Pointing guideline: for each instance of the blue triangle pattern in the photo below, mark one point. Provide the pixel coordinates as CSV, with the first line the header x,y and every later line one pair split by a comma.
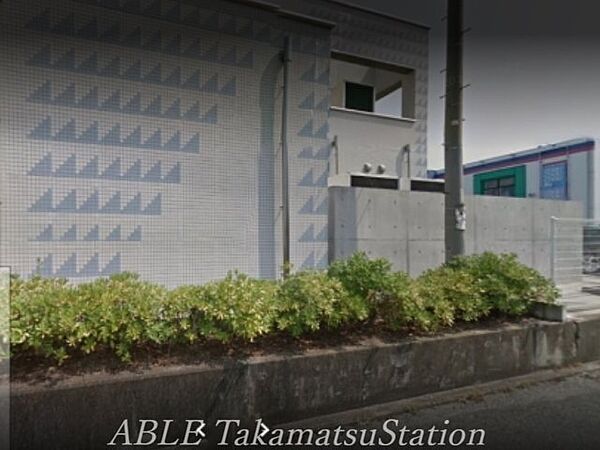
x,y
113,205
68,169
70,235
90,170
323,208
136,235
113,137
89,100
174,80
113,266
93,235
114,235
68,133
309,262
43,168
43,131
308,102
134,206
230,88
154,174
91,205
308,235
112,103
174,175
113,171
90,135
211,116
323,235
307,130
68,268
43,94
68,204
134,105
134,139
154,208
174,111
47,234
43,58
193,145
308,207
134,173
307,179
155,75
91,268
306,153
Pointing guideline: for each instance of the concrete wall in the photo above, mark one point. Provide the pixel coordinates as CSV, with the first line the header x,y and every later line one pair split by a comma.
x,y
280,388
408,227
367,138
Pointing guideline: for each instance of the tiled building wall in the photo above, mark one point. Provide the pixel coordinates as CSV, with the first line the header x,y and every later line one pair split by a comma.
x,y
144,136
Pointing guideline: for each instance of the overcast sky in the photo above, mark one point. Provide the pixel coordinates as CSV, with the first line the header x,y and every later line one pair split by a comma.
x,y
533,66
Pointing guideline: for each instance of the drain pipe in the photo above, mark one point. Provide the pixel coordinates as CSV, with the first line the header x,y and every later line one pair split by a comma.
x,y
406,150
285,188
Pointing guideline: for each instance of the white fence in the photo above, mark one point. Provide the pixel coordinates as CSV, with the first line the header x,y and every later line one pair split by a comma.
x,y
575,251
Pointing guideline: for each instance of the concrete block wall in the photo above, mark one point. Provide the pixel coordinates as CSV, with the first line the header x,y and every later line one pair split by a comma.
x,y
408,227
145,136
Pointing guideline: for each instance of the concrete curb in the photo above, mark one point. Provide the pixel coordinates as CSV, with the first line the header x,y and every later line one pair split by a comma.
x,y
85,412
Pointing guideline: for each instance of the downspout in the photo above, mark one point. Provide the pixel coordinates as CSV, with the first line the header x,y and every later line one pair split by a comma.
x,y
285,194
591,206
407,153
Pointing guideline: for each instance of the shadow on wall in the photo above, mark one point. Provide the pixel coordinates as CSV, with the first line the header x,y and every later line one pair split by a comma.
x,y
342,225
267,265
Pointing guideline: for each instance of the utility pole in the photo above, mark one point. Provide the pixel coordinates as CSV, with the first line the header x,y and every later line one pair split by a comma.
x,y
454,217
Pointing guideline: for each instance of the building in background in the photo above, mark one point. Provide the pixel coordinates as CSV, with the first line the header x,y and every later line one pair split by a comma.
x,y
145,135
568,170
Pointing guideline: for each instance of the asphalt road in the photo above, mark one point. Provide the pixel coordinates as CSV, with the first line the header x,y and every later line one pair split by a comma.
x,y
562,414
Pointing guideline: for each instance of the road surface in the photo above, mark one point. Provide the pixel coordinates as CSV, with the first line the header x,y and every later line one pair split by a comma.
x,y
561,414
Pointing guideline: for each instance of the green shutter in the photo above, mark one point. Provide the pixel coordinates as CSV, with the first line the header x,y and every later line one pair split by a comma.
x,y
518,172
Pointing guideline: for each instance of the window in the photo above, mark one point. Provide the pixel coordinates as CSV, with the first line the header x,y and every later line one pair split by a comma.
x,y
510,182
554,181
500,187
359,84
359,97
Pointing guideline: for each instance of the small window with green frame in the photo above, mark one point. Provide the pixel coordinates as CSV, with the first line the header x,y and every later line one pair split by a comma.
x,y
510,182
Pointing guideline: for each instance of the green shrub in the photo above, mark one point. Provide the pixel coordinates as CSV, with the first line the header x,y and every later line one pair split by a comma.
x,y
362,277
507,285
452,295
236,307
308,300
53,318
399,306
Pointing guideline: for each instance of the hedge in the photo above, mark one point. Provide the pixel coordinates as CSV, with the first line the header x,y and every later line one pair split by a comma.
x,y
53,318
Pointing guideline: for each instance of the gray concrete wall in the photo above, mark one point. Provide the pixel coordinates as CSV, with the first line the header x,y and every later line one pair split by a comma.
x,y
408,227
63,414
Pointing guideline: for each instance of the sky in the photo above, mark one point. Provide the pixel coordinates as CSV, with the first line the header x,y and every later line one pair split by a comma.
x,y
533,67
